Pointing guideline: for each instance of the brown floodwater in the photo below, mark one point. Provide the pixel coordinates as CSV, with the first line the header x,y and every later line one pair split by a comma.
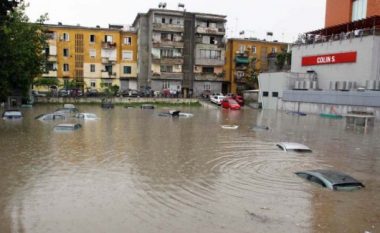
x,y
133,171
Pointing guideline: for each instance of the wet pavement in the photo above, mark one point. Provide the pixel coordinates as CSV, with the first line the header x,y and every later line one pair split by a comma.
x,y
133,171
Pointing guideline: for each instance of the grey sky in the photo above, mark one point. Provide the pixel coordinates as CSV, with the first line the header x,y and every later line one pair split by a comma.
x,y
285,18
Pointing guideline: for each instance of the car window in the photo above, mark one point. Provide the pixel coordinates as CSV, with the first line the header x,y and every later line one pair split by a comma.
x,y
316,180
348,186
279,146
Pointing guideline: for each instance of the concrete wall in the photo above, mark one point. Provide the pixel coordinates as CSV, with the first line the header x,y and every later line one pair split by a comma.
x,y
367,66
272,83
143,51
115,100
200,86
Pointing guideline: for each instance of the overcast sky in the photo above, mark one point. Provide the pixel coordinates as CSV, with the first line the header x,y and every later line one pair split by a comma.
x,y
285,18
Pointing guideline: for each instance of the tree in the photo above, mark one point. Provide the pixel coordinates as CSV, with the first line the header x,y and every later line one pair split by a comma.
x,y
21,50
251,75
46,82
283,60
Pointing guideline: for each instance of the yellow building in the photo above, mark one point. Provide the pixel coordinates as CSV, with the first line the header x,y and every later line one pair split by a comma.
x,y
94,57
239,54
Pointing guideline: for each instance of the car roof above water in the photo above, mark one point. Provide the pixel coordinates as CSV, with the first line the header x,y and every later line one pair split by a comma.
x,y
286,146
334,177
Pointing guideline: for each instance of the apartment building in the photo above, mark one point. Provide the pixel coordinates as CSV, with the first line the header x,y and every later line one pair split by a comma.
x,y
180,51
346,11
241,52
94,57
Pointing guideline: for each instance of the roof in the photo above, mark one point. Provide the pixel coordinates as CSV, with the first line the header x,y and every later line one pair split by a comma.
x,y
293,146
78,27
257,40
369,22
334,177
66,125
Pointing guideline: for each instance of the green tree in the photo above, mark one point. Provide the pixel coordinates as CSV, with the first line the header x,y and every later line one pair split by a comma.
x,y
283,60
46,82
21,51
251,75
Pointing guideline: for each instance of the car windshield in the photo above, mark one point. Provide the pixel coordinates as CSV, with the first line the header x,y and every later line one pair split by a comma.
x,y
13,113
348,186
64,128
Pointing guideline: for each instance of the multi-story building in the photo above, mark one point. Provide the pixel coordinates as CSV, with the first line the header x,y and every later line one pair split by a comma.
x,y
180,51
94,57
345,11
241,52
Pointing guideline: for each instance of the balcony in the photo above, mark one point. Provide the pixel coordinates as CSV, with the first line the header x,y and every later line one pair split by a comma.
x,y
209,62
171,44
168,76
108,60
52,58
211,31
108,45
209,77
50,73
106,74
168,27
168,60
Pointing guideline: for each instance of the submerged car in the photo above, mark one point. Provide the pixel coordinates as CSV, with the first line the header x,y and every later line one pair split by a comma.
x,y
86,116
67,127
12,115
230,103
51,117
292,146
331,179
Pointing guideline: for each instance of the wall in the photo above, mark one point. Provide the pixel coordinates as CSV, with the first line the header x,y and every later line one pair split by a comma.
x,y
338,12
373,8
367,66
272,83
199,87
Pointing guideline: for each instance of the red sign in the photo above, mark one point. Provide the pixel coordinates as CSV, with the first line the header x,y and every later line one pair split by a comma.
x,y
329,59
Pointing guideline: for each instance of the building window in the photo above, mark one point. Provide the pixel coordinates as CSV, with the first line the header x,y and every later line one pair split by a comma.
x,y
163,20
253,49
92,68
265,94
93,83
92,38
127,40
165,68
127,55
108,69
206,86
66,67
274,50
65,52
210,54
108,38
92,53
208,70
275,94
359,9
170,21
165,85
127,69
65,36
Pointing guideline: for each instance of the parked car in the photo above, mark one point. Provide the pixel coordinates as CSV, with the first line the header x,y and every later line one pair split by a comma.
x,y
92,93
239,99
331,179
230,103
217,99
12,115
130,93
51,117
63,93
76,92
38,94
86,116
67,127
291,146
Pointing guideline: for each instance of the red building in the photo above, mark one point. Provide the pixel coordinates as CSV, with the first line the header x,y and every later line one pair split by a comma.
x,y
346,11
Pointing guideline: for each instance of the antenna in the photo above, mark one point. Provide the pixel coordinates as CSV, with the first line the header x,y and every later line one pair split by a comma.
x,y
181,5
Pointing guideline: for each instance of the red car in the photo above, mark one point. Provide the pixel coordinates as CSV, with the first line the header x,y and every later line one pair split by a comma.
x,y
230,103
239,99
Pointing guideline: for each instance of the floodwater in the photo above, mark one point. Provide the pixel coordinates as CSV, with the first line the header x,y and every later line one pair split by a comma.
x,y
133,171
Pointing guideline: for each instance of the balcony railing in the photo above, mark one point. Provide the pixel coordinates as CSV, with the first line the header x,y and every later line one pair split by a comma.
x,y
209,77
208,30
168,27
106,74
315,39
108,45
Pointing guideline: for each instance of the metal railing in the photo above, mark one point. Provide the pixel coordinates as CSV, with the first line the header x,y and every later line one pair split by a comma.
x,y
307,39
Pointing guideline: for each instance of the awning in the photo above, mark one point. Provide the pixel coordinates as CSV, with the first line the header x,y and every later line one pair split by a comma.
x,y
242,60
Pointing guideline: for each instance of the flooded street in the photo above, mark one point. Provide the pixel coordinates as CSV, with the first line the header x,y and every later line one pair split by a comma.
x,y
133,171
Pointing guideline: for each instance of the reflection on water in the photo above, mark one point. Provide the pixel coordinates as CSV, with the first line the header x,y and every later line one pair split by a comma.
x,y
133,171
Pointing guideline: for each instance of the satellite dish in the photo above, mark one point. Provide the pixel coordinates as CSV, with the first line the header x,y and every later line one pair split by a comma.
x,y
181,5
